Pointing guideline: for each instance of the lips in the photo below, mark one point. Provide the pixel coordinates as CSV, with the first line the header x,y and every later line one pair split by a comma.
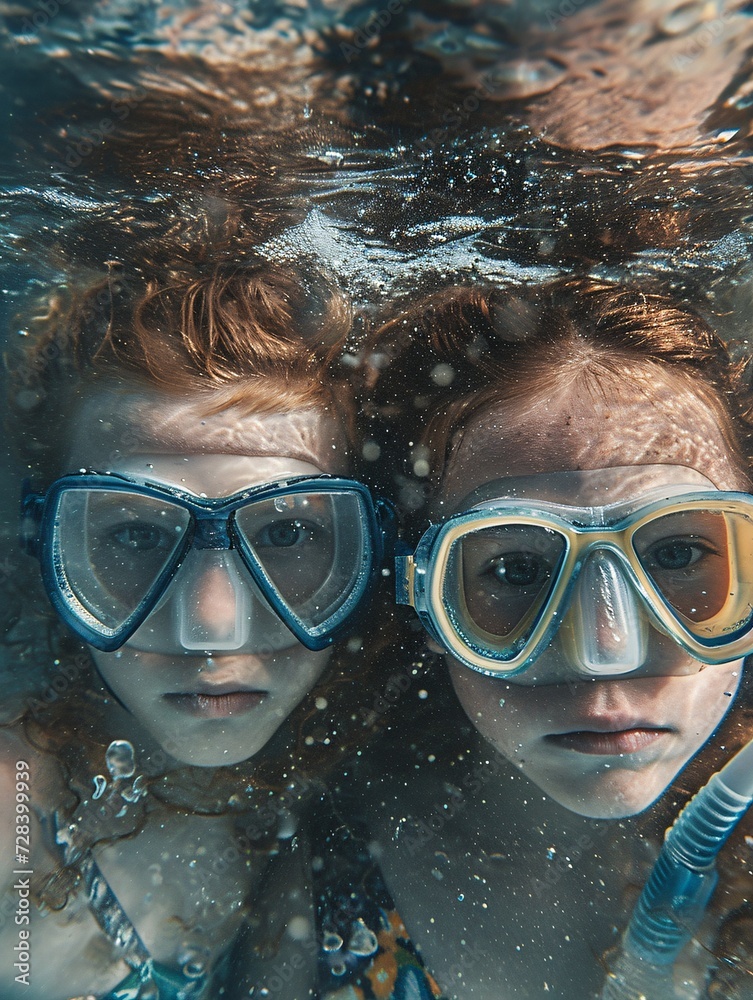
x,y
609,742
218,703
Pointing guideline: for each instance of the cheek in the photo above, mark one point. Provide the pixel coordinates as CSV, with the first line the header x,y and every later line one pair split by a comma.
x,y
298,669
504,714
711,693
124,673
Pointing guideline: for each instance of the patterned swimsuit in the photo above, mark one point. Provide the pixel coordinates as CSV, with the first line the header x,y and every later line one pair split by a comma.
x,y
365,950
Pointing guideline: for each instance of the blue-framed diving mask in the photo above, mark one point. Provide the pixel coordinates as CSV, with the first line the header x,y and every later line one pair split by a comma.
x,y
495,584
127,560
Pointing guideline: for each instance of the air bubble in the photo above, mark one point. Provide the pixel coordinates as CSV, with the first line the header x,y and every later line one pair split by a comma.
x,y
332,941
120,759
442,375
363,942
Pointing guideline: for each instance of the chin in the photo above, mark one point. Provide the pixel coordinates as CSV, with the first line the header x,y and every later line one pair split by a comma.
x,y
222,751
611,800
214,756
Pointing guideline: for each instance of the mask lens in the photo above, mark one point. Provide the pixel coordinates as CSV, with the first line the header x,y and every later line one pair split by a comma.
x,y
311,547
701,562
110,549
497,582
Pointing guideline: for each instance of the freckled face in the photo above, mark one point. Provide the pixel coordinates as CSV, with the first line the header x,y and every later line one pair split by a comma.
x,y
223,708
603,748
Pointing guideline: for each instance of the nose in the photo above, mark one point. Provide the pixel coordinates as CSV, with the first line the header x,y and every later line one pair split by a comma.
x,y
213,603
605,631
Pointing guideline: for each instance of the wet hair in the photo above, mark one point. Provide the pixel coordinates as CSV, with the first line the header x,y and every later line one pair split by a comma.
x,y
253,336
260,337
436,364
439,363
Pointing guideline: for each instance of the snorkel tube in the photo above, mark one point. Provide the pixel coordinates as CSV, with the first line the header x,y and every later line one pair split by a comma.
x,y
679,887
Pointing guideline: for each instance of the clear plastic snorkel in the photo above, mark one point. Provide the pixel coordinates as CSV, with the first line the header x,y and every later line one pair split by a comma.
x,y
680,885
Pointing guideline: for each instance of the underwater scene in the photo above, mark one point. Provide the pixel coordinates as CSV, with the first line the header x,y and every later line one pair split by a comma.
x,y
377,580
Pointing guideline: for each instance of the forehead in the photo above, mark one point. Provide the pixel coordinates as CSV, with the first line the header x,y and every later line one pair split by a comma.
x,y
111,425
594,487
635,422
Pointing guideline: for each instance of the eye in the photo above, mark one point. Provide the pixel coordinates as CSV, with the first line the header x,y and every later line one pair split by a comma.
x,y
519,569
139,537
284,534
677,553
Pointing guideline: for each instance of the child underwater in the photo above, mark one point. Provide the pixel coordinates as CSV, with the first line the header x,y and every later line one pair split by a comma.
x,y
197,533
586,577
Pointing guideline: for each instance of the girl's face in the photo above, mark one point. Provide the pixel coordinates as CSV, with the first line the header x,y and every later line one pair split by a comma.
x,y
217,709
605,747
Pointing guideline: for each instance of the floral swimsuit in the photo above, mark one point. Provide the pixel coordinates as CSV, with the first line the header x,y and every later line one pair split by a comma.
x,y
365,950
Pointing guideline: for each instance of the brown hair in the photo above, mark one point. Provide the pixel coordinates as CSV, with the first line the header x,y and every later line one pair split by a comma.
x,y
221,333
256,336
442,361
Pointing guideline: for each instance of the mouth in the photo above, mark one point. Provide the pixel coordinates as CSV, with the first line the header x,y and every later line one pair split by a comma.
x,y
218,704
611,743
